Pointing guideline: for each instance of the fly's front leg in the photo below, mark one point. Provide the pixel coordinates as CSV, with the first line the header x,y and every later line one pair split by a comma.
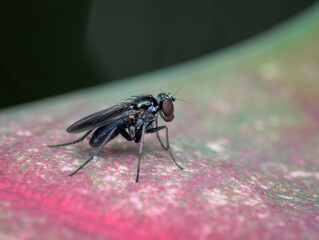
x,y
167,148
157,135
73,142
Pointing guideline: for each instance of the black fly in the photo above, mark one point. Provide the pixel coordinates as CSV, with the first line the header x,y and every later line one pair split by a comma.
x,y
132,119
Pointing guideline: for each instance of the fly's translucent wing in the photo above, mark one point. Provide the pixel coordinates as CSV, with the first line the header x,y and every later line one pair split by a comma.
x,y
101,118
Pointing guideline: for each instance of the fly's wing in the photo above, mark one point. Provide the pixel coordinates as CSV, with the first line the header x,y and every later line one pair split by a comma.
x,y
101,118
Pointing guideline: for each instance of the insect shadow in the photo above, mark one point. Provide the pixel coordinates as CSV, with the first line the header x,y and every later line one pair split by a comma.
x,y
132,119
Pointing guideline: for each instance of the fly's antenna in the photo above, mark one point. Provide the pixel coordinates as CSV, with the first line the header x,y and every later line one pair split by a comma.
x,y
165,92
183,100
176,92
173,96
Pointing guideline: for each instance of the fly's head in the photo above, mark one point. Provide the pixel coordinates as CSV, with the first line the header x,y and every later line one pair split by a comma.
x,y
166,106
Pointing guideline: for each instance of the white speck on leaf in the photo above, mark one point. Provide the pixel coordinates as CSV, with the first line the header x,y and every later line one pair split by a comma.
x,y
215,197
285,197
303,174
33,150
176,148
137,202
67,168
24,133
218,146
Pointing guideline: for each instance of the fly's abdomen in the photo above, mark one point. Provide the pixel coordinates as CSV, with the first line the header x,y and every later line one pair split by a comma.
x,y
102,132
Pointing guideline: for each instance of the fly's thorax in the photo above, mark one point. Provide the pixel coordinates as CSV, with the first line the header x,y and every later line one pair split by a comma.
x,y
131,131
139,123
144,102
153,109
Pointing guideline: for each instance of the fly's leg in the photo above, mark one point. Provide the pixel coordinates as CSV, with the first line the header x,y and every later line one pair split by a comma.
x,y
167,148
124,134
73,142
140,154
157,135
108,138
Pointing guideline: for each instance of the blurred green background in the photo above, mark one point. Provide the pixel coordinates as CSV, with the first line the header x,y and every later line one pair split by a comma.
x,y
51,47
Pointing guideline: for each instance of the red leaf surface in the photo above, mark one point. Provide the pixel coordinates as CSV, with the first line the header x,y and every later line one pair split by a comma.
x,y
249,143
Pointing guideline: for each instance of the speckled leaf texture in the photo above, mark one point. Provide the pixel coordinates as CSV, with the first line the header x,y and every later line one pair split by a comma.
x,y
249,142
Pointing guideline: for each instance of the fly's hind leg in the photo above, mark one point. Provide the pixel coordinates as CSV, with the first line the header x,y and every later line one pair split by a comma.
x,y
73,142
105,141
140,153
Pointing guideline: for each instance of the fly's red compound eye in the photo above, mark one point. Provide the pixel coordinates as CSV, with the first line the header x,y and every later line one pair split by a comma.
x,y
168,108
